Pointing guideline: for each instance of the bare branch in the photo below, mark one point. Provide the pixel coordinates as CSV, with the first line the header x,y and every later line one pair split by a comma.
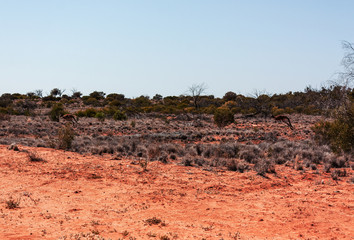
x,y
196,90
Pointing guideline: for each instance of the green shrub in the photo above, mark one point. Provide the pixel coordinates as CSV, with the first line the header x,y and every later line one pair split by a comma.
x,y
91,101
56,111
132,124
89,112
100,116
339,134
66,136
119,116
115,103
223,117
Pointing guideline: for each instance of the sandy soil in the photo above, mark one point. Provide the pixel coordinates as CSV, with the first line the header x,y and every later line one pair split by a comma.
x,y
73,196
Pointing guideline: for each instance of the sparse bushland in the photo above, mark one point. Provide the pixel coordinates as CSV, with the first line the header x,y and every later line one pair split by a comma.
x,y
310,101
187,137
25,107
182,141
103,113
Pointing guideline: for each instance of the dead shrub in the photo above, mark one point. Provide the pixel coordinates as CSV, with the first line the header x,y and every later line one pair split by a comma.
x,y
187,161
13,147
144,164
337,173
153,221
250,154
264,166
12,204
232,166
201,162
336,162
237,166
153,152
34,157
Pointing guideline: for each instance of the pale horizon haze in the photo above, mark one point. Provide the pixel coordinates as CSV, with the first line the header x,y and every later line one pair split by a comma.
x,y
163,47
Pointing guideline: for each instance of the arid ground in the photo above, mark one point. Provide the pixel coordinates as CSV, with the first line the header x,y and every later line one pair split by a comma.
x,y
197,183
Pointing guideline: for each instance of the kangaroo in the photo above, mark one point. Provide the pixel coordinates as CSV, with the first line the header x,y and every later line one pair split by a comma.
x,y
284,119
70,117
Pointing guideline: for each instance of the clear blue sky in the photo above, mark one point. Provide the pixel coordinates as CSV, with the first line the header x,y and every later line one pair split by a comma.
x,y
146,47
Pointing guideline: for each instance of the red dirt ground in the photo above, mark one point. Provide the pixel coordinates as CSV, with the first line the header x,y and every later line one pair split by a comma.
x,y
70,196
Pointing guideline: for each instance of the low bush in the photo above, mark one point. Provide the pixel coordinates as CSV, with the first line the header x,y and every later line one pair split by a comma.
x,y
56,111
100,116
223,117
264,166
12,204
339,134
119,116
237,166
34,157
89,112
153,221
66,136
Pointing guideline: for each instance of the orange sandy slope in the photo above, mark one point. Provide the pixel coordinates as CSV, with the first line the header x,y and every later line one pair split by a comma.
x,y
74,194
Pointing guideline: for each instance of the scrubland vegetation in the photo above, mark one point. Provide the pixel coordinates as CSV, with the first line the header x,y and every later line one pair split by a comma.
x,y
234,133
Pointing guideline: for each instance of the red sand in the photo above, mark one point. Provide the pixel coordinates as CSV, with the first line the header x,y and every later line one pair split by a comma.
x,y
71,194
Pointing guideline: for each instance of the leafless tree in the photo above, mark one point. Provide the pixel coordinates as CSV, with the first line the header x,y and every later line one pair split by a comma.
x,y
337,100
195,91
38,93
339,96
348,64
261,103
75,93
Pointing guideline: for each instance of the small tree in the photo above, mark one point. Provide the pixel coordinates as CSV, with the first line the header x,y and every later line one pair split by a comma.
x,y
38,93
348,64
339,134
100,116
97,95
261,103
56,111
157,97
66,136
56,92
230,96
119,116
75,93
195,91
